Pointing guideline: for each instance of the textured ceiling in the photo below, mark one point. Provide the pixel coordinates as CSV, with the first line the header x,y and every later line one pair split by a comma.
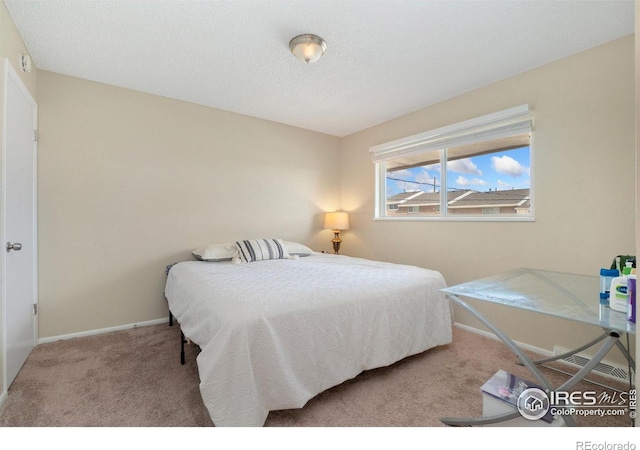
x,y
383,59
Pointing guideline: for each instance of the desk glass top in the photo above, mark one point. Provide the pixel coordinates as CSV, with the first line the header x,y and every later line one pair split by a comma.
x,y
563,295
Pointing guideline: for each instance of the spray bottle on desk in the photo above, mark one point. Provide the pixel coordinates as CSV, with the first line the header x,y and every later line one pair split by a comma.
x,y
628,267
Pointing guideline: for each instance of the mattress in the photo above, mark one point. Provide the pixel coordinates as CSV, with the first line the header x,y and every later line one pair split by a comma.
x,y
273,334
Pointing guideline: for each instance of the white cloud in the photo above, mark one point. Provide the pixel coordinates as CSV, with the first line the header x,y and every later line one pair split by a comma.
x,y
423,180
425,177
508,166
407,187
462,181
502,186
464,166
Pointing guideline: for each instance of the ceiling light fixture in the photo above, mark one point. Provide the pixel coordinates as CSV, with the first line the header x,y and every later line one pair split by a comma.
x,y
25,62
307,47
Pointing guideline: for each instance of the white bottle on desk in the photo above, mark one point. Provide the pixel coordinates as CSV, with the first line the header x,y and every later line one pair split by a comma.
x,y
618,299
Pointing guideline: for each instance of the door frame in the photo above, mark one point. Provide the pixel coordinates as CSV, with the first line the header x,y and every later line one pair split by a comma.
x,y
11,74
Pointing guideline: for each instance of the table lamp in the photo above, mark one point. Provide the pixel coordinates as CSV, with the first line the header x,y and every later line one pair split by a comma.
x,y
336,221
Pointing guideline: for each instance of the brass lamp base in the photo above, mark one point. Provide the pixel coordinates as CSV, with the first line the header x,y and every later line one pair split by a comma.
x,y
336,241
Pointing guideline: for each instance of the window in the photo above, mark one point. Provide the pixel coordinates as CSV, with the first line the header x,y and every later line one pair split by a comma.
x,y
479,169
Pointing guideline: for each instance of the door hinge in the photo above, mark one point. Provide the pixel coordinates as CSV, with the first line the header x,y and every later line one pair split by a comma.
x,y
35,135
35,309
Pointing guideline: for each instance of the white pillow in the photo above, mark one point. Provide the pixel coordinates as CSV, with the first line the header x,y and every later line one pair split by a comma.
x,y
260,250
297,249
215,252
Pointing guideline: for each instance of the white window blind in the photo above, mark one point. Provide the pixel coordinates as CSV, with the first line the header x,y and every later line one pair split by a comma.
x,y
503,124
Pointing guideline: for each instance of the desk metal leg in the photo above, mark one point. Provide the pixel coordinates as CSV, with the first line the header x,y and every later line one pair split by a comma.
x,y
574,351
465,422
526,361
600,354
605,336
627,355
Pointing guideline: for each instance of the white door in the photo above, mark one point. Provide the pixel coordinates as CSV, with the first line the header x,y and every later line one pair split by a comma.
x,y
19,247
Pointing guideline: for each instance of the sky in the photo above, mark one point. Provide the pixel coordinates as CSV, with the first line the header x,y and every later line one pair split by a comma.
x,y
505,170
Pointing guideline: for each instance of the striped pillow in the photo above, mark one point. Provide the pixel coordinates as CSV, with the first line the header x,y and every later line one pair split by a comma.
x,y
261,249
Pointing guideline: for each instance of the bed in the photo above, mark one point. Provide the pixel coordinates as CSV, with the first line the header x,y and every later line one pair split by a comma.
x,y
274,333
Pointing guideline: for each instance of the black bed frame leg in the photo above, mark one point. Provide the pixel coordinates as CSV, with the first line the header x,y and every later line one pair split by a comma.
x,y
182,338
182,341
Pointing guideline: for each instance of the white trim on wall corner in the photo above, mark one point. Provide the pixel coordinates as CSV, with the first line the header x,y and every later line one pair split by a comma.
x,y
103,330
3,399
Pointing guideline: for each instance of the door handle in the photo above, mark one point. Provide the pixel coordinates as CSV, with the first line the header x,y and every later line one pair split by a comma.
x,y
17,246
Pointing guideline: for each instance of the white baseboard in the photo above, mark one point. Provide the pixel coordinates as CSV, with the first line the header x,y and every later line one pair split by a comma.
x,y
102,330
522,345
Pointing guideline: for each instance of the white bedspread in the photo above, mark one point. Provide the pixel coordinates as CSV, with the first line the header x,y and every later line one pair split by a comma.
x,y
276,333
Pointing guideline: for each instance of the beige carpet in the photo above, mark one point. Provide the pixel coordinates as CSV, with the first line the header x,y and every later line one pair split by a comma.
x,y
134,378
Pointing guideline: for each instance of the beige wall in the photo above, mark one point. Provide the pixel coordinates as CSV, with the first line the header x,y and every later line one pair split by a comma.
x,y
130,182
11,46
584,171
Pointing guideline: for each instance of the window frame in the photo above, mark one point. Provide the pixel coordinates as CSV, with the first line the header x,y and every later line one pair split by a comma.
x,y
508,122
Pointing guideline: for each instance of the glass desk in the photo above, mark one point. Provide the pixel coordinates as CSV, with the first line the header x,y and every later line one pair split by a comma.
x,y
563,295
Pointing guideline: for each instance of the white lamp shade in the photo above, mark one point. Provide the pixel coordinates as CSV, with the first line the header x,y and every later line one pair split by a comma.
x,y
307,47
337,220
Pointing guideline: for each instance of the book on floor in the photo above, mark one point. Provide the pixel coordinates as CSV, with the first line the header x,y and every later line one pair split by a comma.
x,y
508,387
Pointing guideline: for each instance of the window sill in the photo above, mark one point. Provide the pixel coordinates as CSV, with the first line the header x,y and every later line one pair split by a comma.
x,y
456,219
